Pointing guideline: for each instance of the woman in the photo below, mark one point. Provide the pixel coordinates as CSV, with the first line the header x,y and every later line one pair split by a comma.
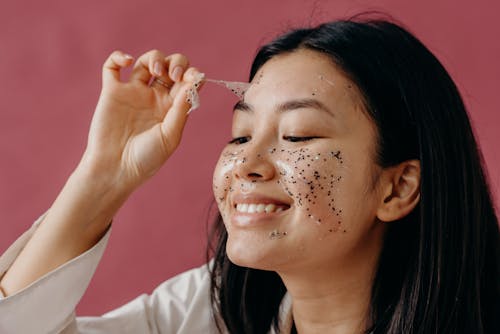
x,y
352,198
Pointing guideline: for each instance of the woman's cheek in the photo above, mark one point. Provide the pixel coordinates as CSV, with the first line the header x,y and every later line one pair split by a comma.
x,y
222,181
223,177
313,178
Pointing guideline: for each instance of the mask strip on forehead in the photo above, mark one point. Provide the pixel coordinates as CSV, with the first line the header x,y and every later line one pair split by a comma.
x,y
236,87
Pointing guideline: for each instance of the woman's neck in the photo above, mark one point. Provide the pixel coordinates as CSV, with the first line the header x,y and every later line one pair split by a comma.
x,y
334,312
334,299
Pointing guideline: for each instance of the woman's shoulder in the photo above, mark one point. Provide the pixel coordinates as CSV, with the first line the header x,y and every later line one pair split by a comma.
x,y
180,304
189,283
183,302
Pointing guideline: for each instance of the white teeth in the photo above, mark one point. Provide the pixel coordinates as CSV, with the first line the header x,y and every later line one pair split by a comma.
x,y
270,208
252,208
261,207
258,208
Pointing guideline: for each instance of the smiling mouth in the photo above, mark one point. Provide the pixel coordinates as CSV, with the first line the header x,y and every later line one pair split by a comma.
x,y
260,208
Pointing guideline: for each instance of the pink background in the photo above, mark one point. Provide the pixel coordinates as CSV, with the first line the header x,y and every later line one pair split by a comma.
x,y
51,54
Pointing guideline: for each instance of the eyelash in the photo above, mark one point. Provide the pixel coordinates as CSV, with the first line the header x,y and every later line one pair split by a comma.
x,y
293,139
238,140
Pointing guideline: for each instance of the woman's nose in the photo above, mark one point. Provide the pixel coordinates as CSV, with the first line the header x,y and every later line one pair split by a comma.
x,y
254,166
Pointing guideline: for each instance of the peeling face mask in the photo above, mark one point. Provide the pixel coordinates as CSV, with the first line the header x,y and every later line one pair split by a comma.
x,y
236,87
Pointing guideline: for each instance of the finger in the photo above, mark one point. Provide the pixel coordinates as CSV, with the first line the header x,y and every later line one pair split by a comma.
x,y
162,86
152,63
176,117
193,76
177,64
112,66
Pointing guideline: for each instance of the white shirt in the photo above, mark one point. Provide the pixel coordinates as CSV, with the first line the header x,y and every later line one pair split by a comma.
x,y
179,305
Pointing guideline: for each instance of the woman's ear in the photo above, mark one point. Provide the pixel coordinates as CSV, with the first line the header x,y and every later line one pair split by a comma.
x,y
400,191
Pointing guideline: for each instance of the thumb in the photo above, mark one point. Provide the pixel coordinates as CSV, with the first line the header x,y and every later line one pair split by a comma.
x,y
176,117
112,66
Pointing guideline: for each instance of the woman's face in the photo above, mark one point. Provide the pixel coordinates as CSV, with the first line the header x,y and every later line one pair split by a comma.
x,y
296,186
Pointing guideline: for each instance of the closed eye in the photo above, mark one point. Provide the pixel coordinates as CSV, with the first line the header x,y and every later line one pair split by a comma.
x,y
294,139
239,140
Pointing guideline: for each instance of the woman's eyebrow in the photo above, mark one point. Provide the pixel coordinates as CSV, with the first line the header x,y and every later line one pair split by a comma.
x,y
288,106
302,104
242,106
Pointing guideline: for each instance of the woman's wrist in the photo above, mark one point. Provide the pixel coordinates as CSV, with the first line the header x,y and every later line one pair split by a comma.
x,y
104,175
93,194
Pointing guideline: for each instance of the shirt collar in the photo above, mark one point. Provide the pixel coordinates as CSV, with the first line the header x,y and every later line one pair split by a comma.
x,y
285,315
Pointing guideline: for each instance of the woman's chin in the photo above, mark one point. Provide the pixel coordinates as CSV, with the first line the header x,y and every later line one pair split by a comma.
x,y
254,252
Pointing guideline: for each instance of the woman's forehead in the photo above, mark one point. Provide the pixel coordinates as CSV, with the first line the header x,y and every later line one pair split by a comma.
x,y
302,73
302,67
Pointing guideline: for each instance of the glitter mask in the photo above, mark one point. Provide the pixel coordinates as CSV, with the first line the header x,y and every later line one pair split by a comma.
x,y
310,178
238,88
193,97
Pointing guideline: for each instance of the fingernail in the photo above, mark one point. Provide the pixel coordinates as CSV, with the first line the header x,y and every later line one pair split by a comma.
x,y
127,56
177,73
157,69
200,76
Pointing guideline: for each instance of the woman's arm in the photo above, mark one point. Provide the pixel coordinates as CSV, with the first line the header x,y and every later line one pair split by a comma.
x,y
134,130
75,222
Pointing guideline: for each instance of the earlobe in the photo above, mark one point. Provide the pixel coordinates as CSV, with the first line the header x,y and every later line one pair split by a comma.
x,y
401,191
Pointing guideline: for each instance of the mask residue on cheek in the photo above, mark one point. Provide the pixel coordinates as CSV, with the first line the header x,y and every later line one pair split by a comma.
x,y
223,178
311,179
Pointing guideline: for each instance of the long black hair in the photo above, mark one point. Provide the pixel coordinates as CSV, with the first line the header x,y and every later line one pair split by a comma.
x,y
439,267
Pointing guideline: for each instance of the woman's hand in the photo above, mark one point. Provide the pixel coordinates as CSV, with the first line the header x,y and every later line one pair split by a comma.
x,y
136,127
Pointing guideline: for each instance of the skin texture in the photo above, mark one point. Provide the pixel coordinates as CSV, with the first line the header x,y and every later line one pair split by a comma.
x,y
303,140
